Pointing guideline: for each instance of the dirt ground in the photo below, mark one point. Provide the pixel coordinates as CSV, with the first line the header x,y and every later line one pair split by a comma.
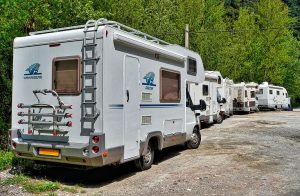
x,y
256,154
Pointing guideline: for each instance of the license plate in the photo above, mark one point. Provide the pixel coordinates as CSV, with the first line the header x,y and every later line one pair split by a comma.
x,y
48,152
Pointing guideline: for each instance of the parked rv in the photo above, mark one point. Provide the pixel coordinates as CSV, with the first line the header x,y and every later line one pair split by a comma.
x,y
102,93
273,97
211,92
228,95
244,97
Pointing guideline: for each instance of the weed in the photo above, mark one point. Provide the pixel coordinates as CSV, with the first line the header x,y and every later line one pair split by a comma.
x,y
6,158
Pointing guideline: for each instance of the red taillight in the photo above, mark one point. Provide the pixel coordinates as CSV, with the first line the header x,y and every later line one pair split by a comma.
x,y
69,124
95,149
96,139
14,145
67,115
30,132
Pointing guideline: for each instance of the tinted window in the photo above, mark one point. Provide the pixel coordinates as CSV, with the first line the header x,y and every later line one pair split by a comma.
x,y
170,86
205,90
66,75
192,67
270,92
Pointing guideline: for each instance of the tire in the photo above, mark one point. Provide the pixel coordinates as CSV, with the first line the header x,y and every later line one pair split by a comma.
x,y
145,161
195,140
219,119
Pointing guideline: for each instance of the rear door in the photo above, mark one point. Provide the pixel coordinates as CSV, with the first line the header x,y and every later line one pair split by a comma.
x,y
131,107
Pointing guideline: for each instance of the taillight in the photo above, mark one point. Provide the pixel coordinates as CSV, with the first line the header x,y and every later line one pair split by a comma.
x,y
30,132
95,139
14,145
69,124
95,149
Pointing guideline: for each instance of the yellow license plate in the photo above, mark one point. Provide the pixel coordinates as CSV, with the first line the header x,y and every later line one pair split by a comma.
x,y
48,152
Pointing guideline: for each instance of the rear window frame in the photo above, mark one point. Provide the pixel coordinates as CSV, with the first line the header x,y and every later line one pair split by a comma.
x,y
79,68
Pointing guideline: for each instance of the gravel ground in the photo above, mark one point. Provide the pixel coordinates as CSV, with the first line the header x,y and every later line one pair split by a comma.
x,y
256,154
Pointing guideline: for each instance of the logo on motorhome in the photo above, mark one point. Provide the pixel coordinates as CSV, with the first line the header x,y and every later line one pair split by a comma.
x,y
32,72
149,77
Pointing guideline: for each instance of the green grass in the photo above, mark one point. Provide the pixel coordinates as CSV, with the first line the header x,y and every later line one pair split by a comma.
x,y
32,186
70,189
6,158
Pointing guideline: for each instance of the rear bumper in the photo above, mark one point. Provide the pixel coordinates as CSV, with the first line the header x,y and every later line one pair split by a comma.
x,y
69,153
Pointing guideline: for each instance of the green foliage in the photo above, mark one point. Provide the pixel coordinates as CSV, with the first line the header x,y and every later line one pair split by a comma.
x,y
6,158
247,40
30,185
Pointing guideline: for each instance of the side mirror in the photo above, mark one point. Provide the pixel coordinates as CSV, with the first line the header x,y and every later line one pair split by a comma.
x,y
224,100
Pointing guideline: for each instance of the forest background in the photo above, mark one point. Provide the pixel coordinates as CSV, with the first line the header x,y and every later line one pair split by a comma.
x,y
246,40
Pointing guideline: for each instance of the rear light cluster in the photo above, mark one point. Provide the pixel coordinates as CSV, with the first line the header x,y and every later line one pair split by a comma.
x,y
95,140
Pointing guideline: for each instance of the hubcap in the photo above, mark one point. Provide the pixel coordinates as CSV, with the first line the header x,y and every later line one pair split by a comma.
x,y
194,138
148,157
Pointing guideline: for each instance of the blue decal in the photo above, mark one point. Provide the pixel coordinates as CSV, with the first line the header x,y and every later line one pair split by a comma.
x,y
32,72
149,77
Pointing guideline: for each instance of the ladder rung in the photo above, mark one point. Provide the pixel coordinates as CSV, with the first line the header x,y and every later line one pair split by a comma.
x,y
90,44
88,74
91,59
91,30
89,88
91,102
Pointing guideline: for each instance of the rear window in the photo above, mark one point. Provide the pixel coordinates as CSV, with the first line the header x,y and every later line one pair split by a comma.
x,y
66,75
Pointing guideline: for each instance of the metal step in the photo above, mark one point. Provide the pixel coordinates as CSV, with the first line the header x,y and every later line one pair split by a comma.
x,y
91,59
90,44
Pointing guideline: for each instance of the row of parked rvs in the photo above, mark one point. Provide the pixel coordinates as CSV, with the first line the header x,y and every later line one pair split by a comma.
x,y
104,93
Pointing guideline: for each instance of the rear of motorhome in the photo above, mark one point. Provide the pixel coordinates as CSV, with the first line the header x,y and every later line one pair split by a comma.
x,y
244,97
272,97
102,93
211,92
228,95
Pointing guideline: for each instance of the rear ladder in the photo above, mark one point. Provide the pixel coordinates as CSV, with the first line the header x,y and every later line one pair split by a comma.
x,y
90,112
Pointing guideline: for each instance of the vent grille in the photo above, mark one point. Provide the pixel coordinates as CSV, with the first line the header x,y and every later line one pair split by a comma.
x,y
146,120
146,97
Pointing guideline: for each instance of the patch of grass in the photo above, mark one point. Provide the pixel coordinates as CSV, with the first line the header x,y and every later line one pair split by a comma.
x,y
17,179
70,189
32,186
82,191
41,186
6,158
52,194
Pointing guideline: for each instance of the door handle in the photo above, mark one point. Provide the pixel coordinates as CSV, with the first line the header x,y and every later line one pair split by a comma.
x,y
127,94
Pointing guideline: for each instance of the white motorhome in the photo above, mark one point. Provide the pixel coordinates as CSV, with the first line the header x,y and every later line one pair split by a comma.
x,y
272,97
211,92
228,95
244,97
101,93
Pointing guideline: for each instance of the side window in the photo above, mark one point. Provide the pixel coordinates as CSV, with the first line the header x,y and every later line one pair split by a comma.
x,y
270,92
205,90
192,67
246,94
169,86
252,94
219,80
66,75
278,93
261,91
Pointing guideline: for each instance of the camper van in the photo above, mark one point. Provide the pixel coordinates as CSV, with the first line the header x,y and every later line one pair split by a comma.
x,y
211,92
228,95
101,93
272,97
244,97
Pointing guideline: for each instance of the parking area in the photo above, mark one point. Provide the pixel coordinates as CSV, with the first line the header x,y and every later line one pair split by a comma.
x,y
256,154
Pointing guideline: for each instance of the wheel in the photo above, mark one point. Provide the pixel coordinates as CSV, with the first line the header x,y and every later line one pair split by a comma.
x,y
219,119
195,140
145,161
